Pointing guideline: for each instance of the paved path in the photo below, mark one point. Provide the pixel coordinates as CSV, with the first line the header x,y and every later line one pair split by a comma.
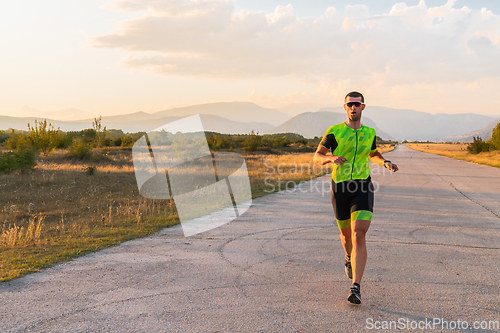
x,y
433,253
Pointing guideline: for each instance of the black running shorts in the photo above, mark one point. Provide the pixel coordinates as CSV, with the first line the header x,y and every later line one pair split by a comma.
x,y
352,200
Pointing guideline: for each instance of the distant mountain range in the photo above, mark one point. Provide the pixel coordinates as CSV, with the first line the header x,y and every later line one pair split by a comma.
x,y
243,117
140,121
311,124
298,108
484,132
415,125
236,111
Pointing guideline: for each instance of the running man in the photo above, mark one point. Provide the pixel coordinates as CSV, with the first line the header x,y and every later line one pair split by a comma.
x,y
352,145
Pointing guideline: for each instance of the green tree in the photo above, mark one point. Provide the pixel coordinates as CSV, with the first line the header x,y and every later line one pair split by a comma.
x,y
252,142
11,142
43,137
495,138
179,145
4,136
101,133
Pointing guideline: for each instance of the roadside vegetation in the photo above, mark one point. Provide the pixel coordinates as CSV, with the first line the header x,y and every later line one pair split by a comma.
x,y
66,194
478,151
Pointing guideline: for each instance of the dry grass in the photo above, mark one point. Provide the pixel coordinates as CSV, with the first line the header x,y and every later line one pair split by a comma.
x,y
272,173
458,151
58,212
14,235
384,148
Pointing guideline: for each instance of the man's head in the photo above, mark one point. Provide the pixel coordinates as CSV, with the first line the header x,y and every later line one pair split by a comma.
x,y
354,104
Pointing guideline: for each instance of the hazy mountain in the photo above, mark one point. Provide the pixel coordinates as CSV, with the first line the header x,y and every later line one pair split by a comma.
x,y
7,122
484,132
415,125
236,111
218,124
242,117
136,116
298,108
140,121
311,124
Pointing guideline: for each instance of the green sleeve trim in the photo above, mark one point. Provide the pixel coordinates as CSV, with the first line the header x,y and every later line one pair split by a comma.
x,y
364,215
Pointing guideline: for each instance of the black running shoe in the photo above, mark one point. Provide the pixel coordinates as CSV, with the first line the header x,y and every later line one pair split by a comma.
x,y
355,295
348,268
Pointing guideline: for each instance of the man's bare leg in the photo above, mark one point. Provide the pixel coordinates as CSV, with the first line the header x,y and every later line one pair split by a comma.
x,y
359,228
359,254
345,234
346,240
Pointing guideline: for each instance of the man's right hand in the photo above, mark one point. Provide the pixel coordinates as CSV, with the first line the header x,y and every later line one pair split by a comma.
x,y
338,160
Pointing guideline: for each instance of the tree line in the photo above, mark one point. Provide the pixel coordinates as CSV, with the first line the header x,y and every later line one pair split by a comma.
x,y
43,138
253,141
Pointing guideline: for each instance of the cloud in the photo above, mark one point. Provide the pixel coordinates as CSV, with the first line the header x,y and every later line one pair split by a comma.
x,y
408,45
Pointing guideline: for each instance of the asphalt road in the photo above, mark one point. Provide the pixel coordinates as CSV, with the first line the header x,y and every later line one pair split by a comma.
x,y
433,250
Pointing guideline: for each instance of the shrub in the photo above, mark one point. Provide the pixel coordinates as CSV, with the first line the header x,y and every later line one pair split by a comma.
x,y
126,141
79,148
217,142
280,142
118,141
26,159
90,170
8,162
478,145
21,160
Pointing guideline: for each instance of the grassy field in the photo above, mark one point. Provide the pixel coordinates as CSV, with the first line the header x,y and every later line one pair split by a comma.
x,y
458,151
385,148
65,209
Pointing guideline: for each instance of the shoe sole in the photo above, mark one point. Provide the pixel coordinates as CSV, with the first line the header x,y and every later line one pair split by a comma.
x,y
354,299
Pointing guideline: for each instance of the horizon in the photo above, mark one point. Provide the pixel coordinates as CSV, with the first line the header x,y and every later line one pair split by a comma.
x,y
90,117
75,60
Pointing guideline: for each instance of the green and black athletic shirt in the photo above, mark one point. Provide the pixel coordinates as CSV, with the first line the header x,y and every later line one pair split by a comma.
x,y
355,146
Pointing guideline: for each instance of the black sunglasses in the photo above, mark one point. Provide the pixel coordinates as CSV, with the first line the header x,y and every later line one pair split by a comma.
x,y
356,104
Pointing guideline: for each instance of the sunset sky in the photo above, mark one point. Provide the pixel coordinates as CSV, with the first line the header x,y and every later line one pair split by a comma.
x,y
74,59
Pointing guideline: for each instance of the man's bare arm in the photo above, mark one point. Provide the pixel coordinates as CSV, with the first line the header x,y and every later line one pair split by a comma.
x,y
378,159
320,157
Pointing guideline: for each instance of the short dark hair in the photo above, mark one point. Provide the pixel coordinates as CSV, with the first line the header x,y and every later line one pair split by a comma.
x,y
355,94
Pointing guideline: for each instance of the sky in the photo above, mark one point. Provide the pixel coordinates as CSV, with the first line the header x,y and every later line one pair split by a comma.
x,y
84,58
